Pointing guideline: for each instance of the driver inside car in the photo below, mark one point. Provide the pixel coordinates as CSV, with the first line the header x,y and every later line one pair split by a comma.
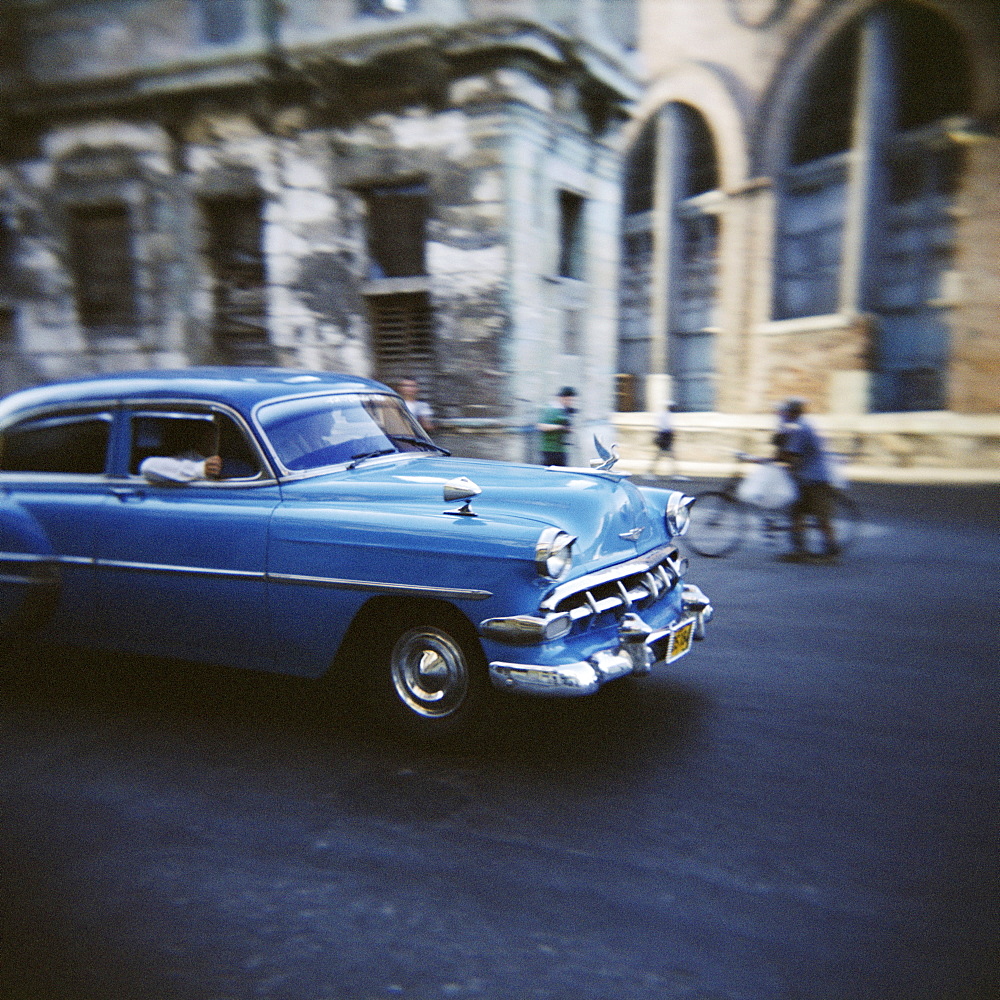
x,y
196,458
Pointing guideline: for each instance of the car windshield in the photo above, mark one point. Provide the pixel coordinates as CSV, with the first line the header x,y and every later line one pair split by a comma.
x,y
316,431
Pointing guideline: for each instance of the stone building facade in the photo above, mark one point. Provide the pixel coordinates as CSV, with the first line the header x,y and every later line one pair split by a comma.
x,y
811,204
382,187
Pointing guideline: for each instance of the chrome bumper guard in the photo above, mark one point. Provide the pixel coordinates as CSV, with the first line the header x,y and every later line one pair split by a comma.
x,y
639,647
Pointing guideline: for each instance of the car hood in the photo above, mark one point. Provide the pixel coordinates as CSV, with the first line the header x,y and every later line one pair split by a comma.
x,y
610,517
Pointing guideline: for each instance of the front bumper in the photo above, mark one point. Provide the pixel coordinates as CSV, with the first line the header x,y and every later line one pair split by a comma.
x,y
639,648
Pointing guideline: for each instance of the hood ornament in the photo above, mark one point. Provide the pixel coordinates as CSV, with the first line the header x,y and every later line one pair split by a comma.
x,y
461,488
607,458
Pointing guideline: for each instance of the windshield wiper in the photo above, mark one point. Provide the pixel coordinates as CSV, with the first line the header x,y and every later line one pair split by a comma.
x,y
420,442
358,459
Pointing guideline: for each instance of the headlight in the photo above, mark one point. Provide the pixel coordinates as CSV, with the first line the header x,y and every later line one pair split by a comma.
x,y
678,513
553,553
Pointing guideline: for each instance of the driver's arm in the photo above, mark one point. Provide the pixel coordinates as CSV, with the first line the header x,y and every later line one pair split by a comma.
x,y
162,469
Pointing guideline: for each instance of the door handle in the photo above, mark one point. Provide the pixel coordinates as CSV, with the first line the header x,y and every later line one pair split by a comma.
x,y
126,493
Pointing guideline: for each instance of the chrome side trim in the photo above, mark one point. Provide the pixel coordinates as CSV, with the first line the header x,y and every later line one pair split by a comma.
x,y
390,588
34,581
47,560
456,593
239,574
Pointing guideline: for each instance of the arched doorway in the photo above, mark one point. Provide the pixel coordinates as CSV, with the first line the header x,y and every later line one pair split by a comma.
x,y
671,221
865,220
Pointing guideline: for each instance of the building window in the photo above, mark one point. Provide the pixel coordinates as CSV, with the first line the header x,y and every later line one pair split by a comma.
x,y
674,155
385,8
633,312
639,172
865,220
810,239
222,21
699,165
100,245
694,284
397,231
236,260
571,236
402,328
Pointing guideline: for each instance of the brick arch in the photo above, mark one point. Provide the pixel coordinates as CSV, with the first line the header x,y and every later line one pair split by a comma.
x,y
705,89
977,23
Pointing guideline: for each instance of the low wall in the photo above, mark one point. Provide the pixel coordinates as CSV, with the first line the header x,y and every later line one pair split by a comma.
x,y
878,447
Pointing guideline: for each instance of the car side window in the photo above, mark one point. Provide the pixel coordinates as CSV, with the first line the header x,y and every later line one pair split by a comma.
x,y
192,435
59,444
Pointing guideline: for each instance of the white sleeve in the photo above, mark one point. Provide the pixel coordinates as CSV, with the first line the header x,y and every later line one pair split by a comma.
x,y
171,470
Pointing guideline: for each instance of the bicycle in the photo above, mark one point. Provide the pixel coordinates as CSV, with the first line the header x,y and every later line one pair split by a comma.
x,y
721,520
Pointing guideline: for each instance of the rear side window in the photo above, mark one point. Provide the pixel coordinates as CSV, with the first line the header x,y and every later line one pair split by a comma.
x,y
75,444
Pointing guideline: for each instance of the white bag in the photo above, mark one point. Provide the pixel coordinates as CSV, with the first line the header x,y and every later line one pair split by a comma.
x,y
768,485
838,478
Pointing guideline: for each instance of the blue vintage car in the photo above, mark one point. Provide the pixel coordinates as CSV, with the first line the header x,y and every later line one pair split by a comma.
x,y
276,519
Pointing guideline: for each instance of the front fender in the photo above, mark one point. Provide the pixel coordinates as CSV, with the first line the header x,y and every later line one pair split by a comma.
x,y
325,561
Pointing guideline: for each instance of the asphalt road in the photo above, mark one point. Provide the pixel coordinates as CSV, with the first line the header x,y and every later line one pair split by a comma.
x,y
805,808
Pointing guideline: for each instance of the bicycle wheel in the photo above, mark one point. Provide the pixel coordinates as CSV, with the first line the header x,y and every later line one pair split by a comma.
x,y
846,518
717,524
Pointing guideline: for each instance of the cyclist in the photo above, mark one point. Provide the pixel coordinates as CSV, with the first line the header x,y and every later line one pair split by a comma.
x,y
801,449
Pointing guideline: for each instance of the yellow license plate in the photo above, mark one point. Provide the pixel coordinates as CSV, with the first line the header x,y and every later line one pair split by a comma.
x,y
680,642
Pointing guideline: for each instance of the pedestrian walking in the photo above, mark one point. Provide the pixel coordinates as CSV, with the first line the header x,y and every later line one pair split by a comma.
x,y
556,423
663,441
801,449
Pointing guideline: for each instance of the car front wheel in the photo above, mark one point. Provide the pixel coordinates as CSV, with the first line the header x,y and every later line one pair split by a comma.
x,y
429,672
433,674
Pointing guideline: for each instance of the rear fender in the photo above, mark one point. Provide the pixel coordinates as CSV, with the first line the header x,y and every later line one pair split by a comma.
x,y
29,569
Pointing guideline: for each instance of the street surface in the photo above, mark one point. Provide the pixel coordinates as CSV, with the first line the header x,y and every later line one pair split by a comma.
x,y
805,808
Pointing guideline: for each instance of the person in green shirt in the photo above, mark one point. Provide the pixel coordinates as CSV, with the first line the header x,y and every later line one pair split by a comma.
x,y
555,423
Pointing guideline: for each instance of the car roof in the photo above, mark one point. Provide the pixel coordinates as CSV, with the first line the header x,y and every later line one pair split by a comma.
x,y
240,387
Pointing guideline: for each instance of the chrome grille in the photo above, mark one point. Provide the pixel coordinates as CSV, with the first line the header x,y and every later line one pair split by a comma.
x,y
638,582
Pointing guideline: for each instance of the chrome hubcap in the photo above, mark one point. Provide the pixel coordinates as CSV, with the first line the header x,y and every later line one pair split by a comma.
x,y
429,672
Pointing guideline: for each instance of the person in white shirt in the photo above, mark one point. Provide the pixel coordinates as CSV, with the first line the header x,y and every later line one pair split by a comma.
x,y
664,441
409,390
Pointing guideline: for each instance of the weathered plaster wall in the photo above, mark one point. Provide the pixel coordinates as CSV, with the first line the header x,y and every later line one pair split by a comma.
x,y
494,140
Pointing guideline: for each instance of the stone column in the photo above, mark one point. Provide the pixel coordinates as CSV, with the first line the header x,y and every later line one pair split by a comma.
x,y
668,148
874,122
975,343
